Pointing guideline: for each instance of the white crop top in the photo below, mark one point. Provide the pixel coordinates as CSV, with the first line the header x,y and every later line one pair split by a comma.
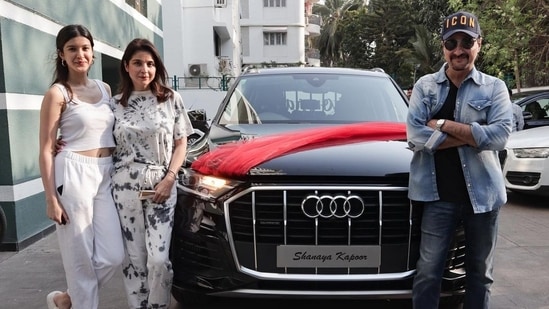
x,y
84,125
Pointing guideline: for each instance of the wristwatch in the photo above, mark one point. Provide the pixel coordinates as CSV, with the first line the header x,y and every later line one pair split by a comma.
x,y
439,124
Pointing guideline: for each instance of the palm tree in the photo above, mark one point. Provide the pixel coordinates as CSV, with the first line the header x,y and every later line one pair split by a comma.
x,y
426,54
332,13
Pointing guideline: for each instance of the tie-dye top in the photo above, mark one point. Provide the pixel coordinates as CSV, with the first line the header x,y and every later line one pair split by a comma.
x,y
145,130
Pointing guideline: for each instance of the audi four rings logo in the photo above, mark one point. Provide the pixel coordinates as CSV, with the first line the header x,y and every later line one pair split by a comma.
x,y
327,206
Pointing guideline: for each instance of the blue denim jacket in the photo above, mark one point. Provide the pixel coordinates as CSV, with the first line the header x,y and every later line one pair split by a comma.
x,y
483,102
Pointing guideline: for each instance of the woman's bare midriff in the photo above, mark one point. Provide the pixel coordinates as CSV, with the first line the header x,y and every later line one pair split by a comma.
x,y
96,153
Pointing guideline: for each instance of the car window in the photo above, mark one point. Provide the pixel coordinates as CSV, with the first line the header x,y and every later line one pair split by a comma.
x,y
516,97
238,110
539,108
314,98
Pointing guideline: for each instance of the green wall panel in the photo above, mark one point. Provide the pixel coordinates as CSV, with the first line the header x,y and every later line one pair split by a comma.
x,y
24,144
9,212
5,166
31,209
95,69
30,70
26,69
26,220
105,20
2,75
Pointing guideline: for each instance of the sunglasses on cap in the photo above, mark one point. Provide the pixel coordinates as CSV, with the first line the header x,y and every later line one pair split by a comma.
x,y
466,43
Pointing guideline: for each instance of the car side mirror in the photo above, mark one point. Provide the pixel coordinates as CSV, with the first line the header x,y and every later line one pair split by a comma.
x,y
199,119
200,124
197,115
527,115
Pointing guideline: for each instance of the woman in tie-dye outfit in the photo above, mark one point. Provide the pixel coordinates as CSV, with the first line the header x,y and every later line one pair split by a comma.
x,y
150,130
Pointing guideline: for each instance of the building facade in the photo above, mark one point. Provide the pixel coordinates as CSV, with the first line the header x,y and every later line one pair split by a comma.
x,y
273,32
209,42
205,44
27,49
212,38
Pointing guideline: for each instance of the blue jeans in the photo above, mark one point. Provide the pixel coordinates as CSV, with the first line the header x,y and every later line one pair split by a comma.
x,y
437,231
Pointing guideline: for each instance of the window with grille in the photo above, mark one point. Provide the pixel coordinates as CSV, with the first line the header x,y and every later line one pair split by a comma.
x,y
220,3
274,3
138,5
274,38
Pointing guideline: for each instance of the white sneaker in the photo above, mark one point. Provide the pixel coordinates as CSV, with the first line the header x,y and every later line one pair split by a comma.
x,y
49,299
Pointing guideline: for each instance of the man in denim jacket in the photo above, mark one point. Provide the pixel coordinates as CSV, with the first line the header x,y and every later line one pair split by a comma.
x,y
459,118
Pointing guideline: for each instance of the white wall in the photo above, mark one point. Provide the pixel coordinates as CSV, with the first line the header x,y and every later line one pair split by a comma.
x,y
173,37
202,99
290,19
198,42
189,27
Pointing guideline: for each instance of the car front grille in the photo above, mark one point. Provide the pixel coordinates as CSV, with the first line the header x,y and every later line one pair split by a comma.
x,y
262,218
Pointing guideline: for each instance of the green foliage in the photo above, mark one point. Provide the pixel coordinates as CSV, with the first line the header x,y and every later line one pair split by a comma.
x,y
355,42
333,14
430,13
426,52
403,37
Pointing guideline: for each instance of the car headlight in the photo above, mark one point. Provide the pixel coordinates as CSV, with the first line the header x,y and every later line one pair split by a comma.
x,y
531,152
205,186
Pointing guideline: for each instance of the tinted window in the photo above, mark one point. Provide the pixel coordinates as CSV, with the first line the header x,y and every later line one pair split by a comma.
x,y
315,98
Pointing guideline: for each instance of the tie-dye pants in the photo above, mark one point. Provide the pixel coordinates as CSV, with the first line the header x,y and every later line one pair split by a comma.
x,y
146,228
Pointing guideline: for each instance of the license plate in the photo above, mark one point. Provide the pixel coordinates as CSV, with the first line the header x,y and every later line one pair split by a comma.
x,y
328,256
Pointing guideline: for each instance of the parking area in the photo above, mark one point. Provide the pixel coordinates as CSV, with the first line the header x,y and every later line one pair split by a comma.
x,y
521,272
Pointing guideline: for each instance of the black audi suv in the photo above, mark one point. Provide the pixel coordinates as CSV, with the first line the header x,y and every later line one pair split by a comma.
x,y
298,190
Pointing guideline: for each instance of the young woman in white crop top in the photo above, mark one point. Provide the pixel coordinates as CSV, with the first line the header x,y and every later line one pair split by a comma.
x,y
77,181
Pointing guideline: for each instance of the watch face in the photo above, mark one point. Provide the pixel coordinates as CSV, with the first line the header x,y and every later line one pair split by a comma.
x,y
440,122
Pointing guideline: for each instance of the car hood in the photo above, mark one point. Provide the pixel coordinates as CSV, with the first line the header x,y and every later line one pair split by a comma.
x,y
370,158
222,134
529,138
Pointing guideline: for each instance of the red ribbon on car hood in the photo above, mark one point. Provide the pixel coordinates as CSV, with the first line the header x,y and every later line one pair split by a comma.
x,y
235,159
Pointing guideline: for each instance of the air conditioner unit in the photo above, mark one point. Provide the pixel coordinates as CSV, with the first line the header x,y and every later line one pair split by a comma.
x,y
199,69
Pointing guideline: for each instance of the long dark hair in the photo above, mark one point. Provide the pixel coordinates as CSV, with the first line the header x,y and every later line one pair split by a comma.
x,y
158,84
67,33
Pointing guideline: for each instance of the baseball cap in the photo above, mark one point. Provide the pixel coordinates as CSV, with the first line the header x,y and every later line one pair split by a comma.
x,y
460,22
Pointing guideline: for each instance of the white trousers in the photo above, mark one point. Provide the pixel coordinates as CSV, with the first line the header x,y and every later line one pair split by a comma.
x,y
91,244
147,229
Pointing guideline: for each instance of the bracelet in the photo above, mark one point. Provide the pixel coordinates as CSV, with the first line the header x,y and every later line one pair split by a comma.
x,y
172,173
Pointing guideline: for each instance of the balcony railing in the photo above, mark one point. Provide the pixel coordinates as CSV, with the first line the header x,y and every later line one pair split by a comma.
x,y
312,53
314,19
201,82
313,24
312,57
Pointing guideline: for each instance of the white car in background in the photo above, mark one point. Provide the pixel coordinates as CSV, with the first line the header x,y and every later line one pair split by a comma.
x,y
526,165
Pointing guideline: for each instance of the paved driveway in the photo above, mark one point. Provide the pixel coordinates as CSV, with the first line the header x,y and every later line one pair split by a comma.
x,y
521,273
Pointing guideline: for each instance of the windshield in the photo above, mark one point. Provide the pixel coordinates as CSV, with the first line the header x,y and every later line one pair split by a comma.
x,y
314,98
